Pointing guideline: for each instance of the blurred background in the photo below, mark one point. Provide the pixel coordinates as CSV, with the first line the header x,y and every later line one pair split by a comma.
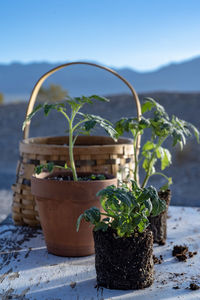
x,y
154,44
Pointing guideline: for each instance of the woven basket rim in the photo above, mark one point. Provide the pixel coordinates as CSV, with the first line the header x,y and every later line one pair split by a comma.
x,y
37,141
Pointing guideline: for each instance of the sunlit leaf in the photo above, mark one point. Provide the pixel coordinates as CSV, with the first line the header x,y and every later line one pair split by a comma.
x,y
166,159
29,117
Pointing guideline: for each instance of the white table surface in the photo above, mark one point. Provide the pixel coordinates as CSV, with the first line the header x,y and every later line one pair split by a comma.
x,y
27,271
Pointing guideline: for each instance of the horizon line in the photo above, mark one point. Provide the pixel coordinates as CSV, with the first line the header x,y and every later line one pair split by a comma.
x,y
111,66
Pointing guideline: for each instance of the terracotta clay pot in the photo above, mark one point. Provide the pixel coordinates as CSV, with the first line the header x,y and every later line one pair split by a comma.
x,y
158,224
60,203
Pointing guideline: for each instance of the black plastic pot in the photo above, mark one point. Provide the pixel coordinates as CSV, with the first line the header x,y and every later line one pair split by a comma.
x,y
158,224
124,263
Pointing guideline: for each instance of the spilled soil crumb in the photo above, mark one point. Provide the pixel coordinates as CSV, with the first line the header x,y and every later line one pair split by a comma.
x,y
194,286
179,250
157,260
73,284
182,252
191,254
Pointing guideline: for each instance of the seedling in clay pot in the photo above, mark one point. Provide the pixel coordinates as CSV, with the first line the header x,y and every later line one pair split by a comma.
x,y
161,127
123,241
62,195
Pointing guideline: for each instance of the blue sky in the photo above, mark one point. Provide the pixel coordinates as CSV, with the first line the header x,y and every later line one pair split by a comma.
x,y
142,34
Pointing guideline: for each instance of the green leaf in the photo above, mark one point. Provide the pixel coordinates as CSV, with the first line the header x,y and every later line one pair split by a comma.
x,y
119,128
106,219
195,130
72,102
89,125
143,123
105,124
126,210
160,152
166,160
148,146
44,167
129,125
29,117
166,185
99,98
101,226
148,205
144,195
145,164
39,169
147,106
159,108
158,204
92,215
143,224
79,222
50,166
48,107
177,137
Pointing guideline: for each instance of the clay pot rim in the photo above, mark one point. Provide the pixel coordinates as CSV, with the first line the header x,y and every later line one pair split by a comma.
x,y
42,177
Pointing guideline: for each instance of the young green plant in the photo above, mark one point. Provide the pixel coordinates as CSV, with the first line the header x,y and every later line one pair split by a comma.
x,y
125,211
83,124
161,127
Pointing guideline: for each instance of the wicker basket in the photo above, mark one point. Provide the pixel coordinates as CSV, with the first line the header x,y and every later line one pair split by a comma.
x,y
93,153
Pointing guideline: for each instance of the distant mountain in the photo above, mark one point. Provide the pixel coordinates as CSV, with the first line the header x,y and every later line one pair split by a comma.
x,y
17,79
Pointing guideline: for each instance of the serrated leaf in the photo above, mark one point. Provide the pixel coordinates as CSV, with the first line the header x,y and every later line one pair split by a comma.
x,y
119,128
79,222
39,169
166,185
166,160
105,124
44,167
195,130
148,146
48,107
148,205
101,226
147,106
145,164
50,166
143,123
29,117
89,125
159,108
99,98
158,204
91,215
160,152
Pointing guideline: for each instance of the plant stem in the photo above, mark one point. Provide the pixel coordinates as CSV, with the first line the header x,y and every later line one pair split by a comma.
x,y
104,214
79,123
136,159
161,174
71,155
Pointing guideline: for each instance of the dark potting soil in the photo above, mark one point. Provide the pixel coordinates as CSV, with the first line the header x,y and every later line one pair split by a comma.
x,y
82,178
158,224
124,263
182,252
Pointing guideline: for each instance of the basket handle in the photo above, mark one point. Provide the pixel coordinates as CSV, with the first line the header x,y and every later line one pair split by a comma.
x,y
46,75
